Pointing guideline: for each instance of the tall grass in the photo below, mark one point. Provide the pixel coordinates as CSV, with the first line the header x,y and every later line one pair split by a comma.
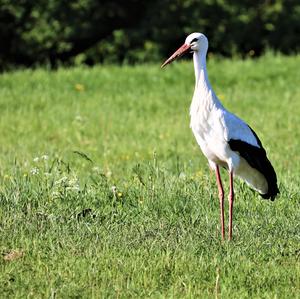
x,y
104,192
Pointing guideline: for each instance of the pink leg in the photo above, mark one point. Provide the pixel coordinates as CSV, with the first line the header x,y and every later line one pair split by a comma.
x,y
230,198
221,198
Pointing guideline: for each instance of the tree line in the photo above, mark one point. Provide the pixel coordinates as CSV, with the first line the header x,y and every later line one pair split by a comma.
x,y
58,32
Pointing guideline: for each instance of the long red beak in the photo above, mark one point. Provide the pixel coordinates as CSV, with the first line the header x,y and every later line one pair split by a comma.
x,y
181,51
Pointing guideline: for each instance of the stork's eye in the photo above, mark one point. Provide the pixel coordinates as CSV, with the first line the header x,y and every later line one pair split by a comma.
x,y
194,40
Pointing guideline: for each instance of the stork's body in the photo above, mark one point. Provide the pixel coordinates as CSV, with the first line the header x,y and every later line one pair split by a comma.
x,y
225,139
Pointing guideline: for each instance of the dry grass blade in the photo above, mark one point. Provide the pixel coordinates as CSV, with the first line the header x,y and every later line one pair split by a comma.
x,y
13,255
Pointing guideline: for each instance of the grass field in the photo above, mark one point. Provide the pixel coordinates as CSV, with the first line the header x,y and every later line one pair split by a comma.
x,y
105,194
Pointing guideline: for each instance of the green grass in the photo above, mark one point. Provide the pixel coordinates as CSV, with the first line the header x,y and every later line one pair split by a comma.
x,y
104,192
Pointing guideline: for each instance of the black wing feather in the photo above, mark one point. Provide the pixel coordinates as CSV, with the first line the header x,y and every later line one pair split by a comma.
x,y
257,158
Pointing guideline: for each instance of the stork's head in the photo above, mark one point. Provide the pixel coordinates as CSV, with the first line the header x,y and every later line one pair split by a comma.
x,y
195,42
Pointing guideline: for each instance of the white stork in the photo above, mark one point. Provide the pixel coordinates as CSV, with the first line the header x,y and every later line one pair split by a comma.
x,y
225,139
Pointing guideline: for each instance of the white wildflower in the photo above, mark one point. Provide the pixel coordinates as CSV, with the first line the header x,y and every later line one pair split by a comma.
x,y
114,190
34,171
182,176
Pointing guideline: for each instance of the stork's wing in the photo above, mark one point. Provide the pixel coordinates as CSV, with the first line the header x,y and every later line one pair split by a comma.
x,y
257,159
242,139
237,129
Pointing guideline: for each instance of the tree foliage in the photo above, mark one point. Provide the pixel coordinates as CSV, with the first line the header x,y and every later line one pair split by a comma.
x,y
90,31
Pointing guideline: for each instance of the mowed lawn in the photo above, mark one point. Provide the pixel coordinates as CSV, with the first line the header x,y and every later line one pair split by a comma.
x,y
105,194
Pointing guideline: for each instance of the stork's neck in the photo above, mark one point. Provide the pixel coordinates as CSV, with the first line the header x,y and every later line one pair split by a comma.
x,y
200,70
203,90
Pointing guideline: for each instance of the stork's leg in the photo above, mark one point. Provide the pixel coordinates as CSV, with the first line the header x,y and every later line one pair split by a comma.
x,y
230,198
221,198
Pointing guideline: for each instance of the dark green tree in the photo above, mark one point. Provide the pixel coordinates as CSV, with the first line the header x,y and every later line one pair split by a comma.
x,y
90,31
